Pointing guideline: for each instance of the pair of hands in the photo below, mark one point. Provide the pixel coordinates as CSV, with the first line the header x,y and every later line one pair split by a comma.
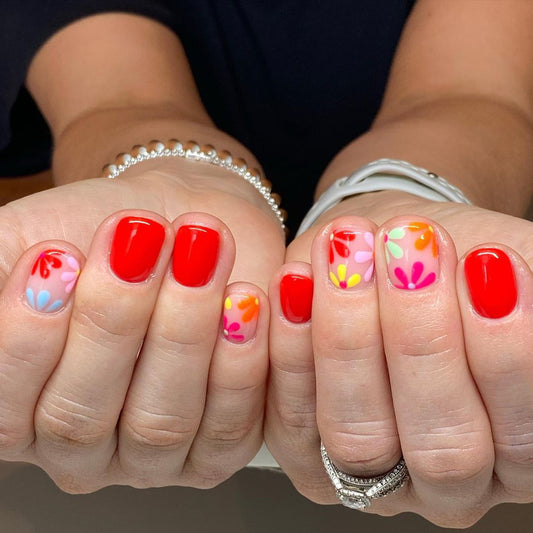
x,y
134,383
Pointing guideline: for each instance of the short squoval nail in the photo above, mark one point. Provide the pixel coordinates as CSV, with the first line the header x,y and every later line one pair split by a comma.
x,y
135,248
351,258
52,279
296,297
491,282
412,255
195,255
241,312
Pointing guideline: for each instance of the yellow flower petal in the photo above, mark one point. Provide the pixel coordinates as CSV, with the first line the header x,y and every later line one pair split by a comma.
x,y
354,280
227,303
334,279
341,269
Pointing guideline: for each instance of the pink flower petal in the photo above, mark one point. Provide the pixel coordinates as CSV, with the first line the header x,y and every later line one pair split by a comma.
x,y
369,238
402,276
68,276
234,326
73,263
369,272
428,280
416,271
363,257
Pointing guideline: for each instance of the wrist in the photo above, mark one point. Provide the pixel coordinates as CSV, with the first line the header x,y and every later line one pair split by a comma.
x,y
378,206
452,138
94,140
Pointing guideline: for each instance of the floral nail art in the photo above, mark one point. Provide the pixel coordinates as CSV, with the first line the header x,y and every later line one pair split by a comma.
x,y
351,258
52,279
412,255
241,312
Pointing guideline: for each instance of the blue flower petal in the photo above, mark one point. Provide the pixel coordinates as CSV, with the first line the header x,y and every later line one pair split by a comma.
x,y
30,296
42,299
56,305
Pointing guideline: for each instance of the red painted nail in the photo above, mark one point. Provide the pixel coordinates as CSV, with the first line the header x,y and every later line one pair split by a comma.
x,y
491,282
135,248
296,296
195,255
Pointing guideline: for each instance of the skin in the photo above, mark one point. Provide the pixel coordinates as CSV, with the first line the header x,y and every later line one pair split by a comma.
x,y
435,114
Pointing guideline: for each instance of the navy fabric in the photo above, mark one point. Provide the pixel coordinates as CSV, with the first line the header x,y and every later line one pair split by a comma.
x,y
294,80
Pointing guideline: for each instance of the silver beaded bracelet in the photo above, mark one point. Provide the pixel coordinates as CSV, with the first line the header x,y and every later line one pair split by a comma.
x,y
192,151
380,175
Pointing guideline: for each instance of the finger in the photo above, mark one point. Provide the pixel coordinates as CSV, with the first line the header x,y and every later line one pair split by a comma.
x,y
495,288
35,308
291,431
354,402
442,424
166,398
80,405
231,431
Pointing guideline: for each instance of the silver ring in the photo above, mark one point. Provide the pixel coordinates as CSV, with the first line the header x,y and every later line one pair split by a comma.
x,y
358,492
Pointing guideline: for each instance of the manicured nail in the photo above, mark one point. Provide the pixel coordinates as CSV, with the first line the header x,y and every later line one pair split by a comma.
x,y
351,258
240,317
51,281
412,255
195,255
296,296
135,248
491,282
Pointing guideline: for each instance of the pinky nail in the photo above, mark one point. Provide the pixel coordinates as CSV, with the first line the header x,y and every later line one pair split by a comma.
x,y
241,312
52,279
491,282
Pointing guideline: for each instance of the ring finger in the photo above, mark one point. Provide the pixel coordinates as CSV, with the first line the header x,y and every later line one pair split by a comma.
x,y
354,403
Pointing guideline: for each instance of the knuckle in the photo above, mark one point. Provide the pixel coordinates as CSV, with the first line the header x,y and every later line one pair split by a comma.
x,y
459,519
171,340
429,341
72,484
147,429
201,474
344,346
450,466
10,440
67,423
298,421
518,451
360,450
226,431
110,322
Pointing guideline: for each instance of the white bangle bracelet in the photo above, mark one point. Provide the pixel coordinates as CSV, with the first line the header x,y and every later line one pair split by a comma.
x,y
380,175
192,151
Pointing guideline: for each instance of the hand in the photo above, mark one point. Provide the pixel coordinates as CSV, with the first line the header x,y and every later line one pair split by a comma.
x,y
130,381
413,372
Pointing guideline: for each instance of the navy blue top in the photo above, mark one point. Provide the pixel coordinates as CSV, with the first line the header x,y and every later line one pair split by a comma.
x,y
293,80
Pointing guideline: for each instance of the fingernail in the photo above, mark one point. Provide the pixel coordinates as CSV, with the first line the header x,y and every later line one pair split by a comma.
x,y
351,258
241,312
491,282
412,255
195,255
296,296
51,281
135,248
